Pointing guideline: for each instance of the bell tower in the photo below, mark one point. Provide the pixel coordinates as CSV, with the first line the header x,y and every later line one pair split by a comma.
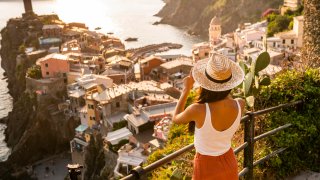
x,y
214,31
28,6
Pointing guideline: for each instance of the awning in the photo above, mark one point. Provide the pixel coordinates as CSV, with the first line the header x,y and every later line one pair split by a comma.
x,y
81,128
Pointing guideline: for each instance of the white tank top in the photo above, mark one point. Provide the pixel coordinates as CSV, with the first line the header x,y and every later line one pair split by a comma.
x,y
209,141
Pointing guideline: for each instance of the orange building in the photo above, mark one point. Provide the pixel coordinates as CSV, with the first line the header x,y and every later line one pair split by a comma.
x,y
54,65
148,64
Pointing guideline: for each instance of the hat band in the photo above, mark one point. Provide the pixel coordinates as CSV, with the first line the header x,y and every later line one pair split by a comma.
x,y
215,80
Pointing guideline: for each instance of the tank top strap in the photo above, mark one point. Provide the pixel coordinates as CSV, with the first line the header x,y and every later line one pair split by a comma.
x,y
207,119
239,108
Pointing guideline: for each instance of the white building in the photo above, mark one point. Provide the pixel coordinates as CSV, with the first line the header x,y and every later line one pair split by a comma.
x,y
292,39
248,33
290,4
115,137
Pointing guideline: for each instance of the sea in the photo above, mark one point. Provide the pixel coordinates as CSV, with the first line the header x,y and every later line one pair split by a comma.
x,y
124,18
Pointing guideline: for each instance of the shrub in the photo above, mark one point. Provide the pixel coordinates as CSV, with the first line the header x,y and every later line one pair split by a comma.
x,y
34,72
119,125
116,147
279,24
302,139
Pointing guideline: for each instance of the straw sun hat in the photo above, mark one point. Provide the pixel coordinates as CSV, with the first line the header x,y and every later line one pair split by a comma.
x,y
217,73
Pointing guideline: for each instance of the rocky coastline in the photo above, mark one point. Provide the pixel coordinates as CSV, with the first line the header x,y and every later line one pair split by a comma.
x,y
195,15
35,128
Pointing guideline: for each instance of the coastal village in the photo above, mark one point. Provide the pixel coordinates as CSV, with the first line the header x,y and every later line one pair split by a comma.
x,y
128,95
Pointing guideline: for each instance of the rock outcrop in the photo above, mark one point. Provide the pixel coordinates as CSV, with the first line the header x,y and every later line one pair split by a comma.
x,y
196,14
311,39
35,127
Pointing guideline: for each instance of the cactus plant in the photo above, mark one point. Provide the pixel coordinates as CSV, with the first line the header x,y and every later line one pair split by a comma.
x,y
253,80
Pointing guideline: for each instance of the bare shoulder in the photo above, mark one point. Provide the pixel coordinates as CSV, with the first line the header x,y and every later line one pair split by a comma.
x,y
196,110
196,107
242,102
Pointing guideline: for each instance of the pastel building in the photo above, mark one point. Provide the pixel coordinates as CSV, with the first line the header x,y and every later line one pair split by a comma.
x,y
200,51
292,39
214,31
290,4
54,65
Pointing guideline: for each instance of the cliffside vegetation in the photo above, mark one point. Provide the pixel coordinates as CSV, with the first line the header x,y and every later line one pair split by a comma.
x,y
196,14
301,139
99,165
278,23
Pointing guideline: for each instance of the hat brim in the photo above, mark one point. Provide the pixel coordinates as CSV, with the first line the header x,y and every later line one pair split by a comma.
x,y
199,76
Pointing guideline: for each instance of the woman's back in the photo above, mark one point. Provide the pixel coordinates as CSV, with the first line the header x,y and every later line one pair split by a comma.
x,y
215,127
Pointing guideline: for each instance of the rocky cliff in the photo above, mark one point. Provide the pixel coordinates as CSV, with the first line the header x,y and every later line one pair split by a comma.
x,y
311,49
196,14
35,127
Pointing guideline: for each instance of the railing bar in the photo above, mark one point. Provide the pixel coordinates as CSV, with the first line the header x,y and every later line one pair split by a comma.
x,y
240,148
128,177
243,171
245,118
168,158
267,110
268,156
272,132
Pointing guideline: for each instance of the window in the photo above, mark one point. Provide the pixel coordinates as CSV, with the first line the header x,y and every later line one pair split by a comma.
x,y
283,41
206,54
46,65
118,104
47,73
90,106
274,44
292,41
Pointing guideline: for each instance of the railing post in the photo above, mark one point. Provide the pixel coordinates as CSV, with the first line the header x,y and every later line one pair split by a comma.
x,y
248,151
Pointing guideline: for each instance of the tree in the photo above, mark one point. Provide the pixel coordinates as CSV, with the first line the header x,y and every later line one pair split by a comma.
x,y
277,24
311,37
94,157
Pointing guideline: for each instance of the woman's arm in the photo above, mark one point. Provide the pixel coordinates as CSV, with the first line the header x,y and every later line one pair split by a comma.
x,y
181,115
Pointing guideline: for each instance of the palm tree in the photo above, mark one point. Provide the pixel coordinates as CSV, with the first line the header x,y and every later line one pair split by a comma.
x,y
311,47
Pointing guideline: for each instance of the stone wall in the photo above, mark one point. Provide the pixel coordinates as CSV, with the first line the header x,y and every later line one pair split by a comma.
x,y
47,86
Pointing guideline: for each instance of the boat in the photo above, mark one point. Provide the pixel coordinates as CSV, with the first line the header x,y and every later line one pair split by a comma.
x,y
97,28
131,39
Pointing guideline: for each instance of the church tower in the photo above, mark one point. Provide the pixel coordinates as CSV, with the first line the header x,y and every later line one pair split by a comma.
x,y
214,31
27,6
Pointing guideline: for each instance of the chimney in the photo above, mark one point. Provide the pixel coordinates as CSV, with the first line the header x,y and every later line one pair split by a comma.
x,y
27,6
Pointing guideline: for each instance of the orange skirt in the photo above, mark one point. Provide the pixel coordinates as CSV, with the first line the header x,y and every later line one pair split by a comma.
x,y
215,167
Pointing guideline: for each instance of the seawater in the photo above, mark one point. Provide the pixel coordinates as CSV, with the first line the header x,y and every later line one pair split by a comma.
x,y
124,18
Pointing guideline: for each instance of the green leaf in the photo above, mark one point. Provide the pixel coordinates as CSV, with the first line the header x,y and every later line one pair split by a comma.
x,y
247,83
177,174
262,62
265,81
250,101
244,67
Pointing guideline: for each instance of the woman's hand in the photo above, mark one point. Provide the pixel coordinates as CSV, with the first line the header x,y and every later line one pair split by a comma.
x,y
188,82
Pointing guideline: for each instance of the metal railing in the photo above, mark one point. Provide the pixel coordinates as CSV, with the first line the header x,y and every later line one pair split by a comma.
x,y
247,146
